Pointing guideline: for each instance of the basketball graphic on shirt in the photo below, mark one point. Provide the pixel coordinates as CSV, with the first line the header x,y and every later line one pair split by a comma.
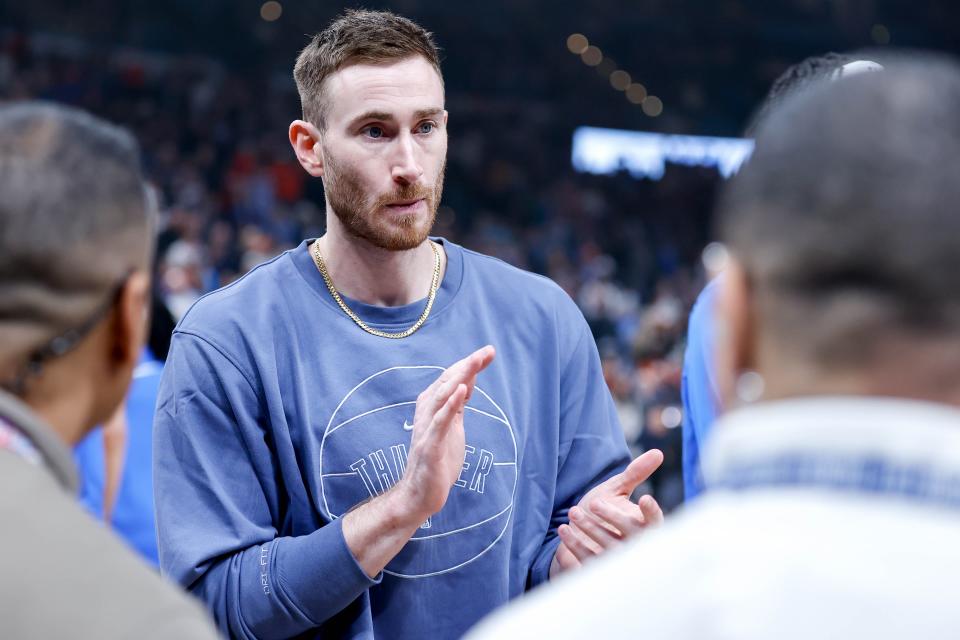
x,y
363,452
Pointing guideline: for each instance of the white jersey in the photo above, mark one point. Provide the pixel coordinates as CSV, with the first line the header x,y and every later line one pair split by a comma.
x,y
824,518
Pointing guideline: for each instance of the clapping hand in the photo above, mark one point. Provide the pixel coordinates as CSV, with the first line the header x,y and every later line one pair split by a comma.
x,y
606,516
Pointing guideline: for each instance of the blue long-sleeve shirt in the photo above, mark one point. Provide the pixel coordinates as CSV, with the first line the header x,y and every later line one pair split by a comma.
x,y
698,386
277,414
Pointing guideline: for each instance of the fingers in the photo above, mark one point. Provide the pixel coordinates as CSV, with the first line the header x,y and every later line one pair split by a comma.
x,y
652,513
638,471
469,366
465,371
485,356
454,405
627,518
603,536
605,525
461,372
436,396
577,543
563,560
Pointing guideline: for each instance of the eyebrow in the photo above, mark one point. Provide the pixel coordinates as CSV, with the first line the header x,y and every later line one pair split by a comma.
x,y
419,114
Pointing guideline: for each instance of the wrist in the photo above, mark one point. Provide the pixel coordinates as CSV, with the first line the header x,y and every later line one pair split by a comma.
x,y
403,506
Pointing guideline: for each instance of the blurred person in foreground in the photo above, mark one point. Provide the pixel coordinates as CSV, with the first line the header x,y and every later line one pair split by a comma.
x,y
699,387
114,461
75,245
833,502
327,462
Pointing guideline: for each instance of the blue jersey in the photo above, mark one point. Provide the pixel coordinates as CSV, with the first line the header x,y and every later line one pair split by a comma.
x,y
701,397
277,414
133,515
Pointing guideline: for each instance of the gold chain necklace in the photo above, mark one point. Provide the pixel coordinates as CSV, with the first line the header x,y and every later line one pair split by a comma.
x,y
434,285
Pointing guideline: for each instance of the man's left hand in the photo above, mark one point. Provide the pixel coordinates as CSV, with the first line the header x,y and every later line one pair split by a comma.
x,y
605,516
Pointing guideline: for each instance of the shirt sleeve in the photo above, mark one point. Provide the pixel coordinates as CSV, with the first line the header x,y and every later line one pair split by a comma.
x,y
218,506
698,388
592,444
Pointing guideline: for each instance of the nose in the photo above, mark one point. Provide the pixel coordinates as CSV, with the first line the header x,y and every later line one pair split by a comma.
x,y
406,166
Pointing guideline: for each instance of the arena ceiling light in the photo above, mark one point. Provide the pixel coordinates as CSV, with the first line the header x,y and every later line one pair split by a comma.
x,y
592,56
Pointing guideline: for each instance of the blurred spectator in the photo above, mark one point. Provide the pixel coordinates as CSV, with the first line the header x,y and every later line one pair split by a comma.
x,y
701,396
126,502
833,503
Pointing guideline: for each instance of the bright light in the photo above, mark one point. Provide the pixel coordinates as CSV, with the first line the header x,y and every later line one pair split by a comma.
x,y
671,417
591,56
750,386
715,257
636,93
652,106
577,43
271,10
620,80
645,155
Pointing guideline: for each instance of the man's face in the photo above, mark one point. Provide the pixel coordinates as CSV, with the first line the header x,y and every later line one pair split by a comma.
x,y
384,150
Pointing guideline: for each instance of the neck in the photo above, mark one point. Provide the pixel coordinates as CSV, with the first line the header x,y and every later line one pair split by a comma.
x,y
376,276
917,370
66,412
71,391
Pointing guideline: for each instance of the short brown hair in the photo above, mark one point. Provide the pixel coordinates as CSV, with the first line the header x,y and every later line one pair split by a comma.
x,y
357,36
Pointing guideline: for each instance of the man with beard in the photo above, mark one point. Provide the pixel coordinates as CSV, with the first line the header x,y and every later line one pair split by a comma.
x,y
321,468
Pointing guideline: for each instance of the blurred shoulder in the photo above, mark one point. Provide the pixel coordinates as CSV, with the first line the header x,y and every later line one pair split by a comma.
x,y
93,586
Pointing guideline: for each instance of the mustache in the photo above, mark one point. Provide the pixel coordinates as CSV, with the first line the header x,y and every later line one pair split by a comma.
x,y
405,194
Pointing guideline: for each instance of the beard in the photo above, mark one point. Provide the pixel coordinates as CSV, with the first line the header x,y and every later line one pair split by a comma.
x,y
363,217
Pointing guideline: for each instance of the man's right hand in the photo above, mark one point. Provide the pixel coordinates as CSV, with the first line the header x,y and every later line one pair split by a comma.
x,y
437,447
377,530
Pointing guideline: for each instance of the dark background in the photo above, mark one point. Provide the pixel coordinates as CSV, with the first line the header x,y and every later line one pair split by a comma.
x,y
207,88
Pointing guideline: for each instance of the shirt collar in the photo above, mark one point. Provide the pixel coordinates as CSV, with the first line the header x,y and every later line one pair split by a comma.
x,y
54,452
388,318
894,446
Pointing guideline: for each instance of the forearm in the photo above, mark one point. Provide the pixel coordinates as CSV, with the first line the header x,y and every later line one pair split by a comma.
x,y
302,582
290,585
283,587
377,530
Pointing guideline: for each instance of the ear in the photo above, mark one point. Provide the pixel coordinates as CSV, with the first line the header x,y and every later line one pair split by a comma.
x,y
131,319
305,139
735,348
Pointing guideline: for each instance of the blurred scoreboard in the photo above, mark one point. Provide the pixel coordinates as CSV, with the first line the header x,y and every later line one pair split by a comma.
x,y
645,155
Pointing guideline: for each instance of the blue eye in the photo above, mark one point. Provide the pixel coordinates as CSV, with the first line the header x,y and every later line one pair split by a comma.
x,y
375,132
426,127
